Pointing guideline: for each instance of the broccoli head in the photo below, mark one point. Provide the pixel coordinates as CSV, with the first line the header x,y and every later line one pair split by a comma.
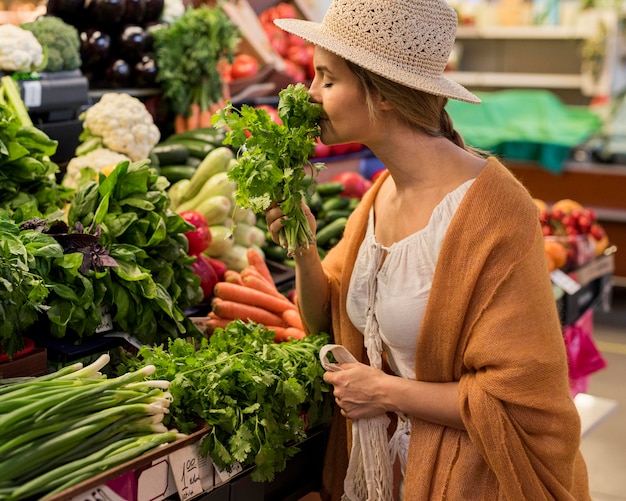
x,y
60,40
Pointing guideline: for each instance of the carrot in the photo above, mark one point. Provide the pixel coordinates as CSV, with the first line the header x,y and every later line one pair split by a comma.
x,y
204,120
193,119
180,123
252,297
233,276
256,261
251,271
261,285
215,322
288,334
235,310
292,318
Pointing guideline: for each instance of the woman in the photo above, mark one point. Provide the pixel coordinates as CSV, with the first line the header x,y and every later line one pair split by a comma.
x,y
439,287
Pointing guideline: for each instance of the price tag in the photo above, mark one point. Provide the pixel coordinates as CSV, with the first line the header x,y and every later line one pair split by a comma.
x,y
185,465
100,493
225,475
32,93
565,282
106,322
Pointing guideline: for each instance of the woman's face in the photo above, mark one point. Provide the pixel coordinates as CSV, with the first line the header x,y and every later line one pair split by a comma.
x,y
346,118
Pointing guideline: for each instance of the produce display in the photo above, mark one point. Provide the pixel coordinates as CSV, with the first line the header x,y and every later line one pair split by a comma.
x,y
153,283
28,186
60,41
189,54
68,426
20,50
252,296
258,396
573,235
272,158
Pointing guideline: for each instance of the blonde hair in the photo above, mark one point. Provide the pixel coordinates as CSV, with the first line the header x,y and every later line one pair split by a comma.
x,y
424,112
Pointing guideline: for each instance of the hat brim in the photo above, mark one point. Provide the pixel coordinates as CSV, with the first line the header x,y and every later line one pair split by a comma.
x,y
437,84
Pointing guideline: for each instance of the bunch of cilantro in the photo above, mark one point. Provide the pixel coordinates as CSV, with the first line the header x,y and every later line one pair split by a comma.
x,y
257,395
273,159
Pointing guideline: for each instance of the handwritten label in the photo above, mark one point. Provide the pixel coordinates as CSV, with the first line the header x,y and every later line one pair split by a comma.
x,y
100,493
185,464
225,475
106,322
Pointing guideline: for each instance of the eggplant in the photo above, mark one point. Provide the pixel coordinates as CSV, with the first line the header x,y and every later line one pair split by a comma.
x,y
132,43
135,11
154,8
61,8
119,74
95,47
145,72
106,12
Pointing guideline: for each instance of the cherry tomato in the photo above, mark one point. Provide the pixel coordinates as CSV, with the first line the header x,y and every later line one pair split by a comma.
x,y
244,65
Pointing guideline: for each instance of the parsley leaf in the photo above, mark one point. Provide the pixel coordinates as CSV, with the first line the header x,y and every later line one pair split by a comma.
x,y
273,159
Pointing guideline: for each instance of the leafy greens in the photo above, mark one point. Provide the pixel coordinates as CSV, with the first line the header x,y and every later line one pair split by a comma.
x,y
273,158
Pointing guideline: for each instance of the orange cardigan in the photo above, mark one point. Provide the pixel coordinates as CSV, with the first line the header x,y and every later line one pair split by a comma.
x,y
491,323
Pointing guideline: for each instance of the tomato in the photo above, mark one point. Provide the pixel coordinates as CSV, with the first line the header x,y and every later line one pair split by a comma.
x,y
299,54
285,10
244,65
355,184
277,37
208,275
294,71
200,238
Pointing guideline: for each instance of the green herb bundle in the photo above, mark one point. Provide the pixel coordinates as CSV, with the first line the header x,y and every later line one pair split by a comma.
x,y
22,293
188,53
257,395
28,186
273,158
153,282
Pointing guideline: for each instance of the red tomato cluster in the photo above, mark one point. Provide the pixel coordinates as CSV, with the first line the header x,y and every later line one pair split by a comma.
x,y
296,52
210,270
355,185
322,150
243,66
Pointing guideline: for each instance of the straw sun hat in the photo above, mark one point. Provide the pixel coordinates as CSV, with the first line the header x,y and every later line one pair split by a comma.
x,y
407,41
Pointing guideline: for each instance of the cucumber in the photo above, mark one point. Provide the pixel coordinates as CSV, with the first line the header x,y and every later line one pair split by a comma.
x,y
213,163
332,230
331,215
195,147
330,188
177,172
335,203
193,161
275,252
218,184
170,154
206,134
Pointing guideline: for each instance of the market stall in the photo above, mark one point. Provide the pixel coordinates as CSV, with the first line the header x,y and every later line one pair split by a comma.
x,y
130,232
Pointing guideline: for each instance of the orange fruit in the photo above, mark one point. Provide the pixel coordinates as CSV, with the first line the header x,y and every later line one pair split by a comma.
x,y
567,205
556,251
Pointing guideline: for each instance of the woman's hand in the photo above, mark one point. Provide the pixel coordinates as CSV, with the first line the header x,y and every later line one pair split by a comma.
x,y
274,216
359,390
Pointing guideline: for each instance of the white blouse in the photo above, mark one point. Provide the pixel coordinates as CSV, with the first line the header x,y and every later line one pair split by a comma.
x,y
389,287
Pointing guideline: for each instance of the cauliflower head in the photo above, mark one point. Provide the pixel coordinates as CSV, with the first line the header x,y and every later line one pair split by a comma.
x,y
60,39
19,50
124,125
99,160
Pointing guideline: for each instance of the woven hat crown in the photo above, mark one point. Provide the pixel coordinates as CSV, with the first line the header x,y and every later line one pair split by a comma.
x,y
416,35
408,41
